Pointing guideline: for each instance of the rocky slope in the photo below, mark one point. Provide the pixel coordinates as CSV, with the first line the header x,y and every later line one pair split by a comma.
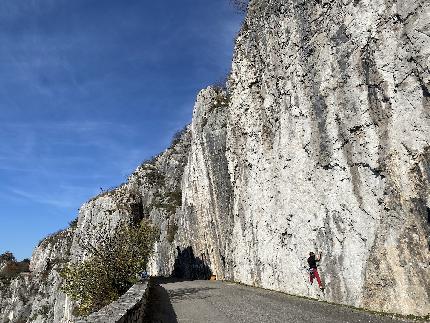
x,y
35,296
321,142
152,191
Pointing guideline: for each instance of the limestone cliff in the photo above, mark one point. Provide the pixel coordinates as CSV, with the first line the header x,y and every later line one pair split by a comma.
x,y
35,296
321,141
327,142
328,147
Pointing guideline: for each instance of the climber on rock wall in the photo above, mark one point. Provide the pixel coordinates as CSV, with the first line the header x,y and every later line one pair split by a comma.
x,y
313,270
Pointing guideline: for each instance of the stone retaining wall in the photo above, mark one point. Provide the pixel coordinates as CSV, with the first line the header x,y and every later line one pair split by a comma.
x,y
129,308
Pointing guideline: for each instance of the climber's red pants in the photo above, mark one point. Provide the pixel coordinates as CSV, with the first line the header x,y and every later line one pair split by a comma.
x,y
314,274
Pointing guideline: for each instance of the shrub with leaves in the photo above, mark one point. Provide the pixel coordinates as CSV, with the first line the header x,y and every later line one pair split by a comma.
x,y
74,223
155,177
111,270
171,232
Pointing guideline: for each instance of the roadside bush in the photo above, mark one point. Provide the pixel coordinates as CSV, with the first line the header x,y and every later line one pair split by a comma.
x,y
111,270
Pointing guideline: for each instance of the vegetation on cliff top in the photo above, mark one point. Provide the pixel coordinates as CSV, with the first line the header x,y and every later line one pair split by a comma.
x,y
112,268
11,268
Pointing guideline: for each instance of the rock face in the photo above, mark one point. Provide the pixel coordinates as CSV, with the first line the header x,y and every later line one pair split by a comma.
x,y
327,142
36,297
206,223
328,147
321,142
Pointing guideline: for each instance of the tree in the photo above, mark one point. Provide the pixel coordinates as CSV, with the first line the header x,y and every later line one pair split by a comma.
x,y
177,136
10,268
111,269
7,257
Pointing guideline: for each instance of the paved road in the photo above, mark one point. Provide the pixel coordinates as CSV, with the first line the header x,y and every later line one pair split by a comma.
x,y
222,302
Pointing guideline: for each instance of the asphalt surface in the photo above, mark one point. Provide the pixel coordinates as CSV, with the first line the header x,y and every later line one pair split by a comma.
x,y
221,302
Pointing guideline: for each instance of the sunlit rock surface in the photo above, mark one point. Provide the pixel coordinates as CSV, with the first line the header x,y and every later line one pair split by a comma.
x,y
328,147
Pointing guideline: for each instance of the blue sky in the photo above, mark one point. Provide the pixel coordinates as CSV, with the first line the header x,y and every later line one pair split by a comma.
x,y
88,90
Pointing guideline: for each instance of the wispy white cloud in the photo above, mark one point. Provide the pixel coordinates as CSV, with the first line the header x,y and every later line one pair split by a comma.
x,y
59,201
90,150
11,9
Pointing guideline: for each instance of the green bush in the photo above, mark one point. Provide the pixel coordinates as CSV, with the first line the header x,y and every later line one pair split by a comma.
x,y
111,270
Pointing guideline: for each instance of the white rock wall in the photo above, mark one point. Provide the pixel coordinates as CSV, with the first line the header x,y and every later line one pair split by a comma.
x,y
205,222
328,148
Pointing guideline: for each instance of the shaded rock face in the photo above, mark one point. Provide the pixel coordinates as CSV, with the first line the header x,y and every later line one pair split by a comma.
x,y
321,142
206,222
328,142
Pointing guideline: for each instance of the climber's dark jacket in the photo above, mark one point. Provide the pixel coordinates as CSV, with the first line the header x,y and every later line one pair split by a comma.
x,y
312,262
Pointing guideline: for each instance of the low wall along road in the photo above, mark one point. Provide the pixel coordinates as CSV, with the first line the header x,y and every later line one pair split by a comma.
x,y
129,308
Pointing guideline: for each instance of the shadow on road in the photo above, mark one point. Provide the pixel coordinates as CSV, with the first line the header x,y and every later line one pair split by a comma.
x,y
160,309
186,267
